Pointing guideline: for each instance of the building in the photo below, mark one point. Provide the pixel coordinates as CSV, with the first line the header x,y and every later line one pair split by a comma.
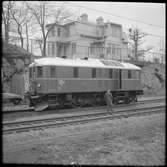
x,y
79,39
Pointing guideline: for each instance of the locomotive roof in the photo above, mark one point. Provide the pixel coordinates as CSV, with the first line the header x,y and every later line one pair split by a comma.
x,y
93,63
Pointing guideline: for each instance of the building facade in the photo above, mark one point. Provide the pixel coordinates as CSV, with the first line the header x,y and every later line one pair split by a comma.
x,y
79,39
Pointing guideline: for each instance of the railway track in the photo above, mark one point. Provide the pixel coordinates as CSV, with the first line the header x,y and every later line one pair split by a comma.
x,y
41,124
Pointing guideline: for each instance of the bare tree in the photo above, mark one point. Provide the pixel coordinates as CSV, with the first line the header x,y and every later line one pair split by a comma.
x,y
43,15
21,17
27,36
7,17
136,36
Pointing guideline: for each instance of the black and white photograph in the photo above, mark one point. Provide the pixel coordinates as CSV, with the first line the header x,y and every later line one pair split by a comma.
x,y
83,83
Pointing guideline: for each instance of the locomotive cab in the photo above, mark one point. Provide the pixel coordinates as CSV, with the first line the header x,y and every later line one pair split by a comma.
x,y
64,82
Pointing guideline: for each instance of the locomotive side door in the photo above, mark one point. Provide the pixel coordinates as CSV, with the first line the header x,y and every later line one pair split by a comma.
x,y
26,80
32,80
119,79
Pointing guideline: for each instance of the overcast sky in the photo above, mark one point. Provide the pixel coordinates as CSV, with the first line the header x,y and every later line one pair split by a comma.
x,y
151,13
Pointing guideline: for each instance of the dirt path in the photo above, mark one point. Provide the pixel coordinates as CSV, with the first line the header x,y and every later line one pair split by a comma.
x,y
129,141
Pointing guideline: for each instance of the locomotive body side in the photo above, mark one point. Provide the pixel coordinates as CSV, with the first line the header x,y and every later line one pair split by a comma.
x,y
63,81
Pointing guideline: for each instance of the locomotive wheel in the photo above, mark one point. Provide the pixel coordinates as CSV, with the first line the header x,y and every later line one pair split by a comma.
x,y
133,99
16,101
127,100
98,100
115,101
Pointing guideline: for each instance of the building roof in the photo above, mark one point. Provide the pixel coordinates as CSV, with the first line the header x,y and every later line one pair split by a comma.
x,y
53,24
92,63
71,22
115,24
79,21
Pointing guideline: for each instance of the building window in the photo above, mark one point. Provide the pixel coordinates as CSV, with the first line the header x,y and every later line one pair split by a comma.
x,y
67,31
53,48
52,72
53,32
93,72
110,73
129,74
119,51
48,48
113,49
58,32
116,51
101,55
75,72
116,31
73,48
108,50
92,48
39,72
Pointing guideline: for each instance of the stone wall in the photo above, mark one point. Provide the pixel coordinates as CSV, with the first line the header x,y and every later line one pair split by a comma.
x,y
150,82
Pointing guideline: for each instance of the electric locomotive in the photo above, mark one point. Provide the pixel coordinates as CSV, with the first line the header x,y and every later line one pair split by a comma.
x,y
82,82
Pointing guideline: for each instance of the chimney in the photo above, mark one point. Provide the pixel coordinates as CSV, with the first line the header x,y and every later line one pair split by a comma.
x,y
99,21
84,17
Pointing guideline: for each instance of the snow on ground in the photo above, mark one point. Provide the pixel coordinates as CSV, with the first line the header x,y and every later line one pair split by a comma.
x,y
128,141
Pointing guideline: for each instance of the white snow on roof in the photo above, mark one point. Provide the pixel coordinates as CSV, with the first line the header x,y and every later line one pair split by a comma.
x,y
130,66
93,63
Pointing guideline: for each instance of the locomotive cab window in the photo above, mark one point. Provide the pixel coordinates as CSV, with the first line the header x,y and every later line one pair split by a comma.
x,y
93,72
39,72
75,72
129,74
30,72
110,73
52,72
137,74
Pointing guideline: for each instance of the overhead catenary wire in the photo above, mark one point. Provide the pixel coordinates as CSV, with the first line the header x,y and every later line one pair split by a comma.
x,y
123,17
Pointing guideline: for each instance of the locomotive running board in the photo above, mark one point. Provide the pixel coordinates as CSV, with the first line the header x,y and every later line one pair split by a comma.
x,y
41,106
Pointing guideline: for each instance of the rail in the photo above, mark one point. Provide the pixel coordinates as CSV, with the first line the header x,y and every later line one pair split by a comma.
x,y
22,126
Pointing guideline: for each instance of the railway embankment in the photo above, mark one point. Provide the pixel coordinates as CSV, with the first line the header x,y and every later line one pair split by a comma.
x,y
153,80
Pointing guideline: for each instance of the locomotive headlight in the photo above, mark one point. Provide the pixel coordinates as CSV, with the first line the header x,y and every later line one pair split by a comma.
x,y
39,85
